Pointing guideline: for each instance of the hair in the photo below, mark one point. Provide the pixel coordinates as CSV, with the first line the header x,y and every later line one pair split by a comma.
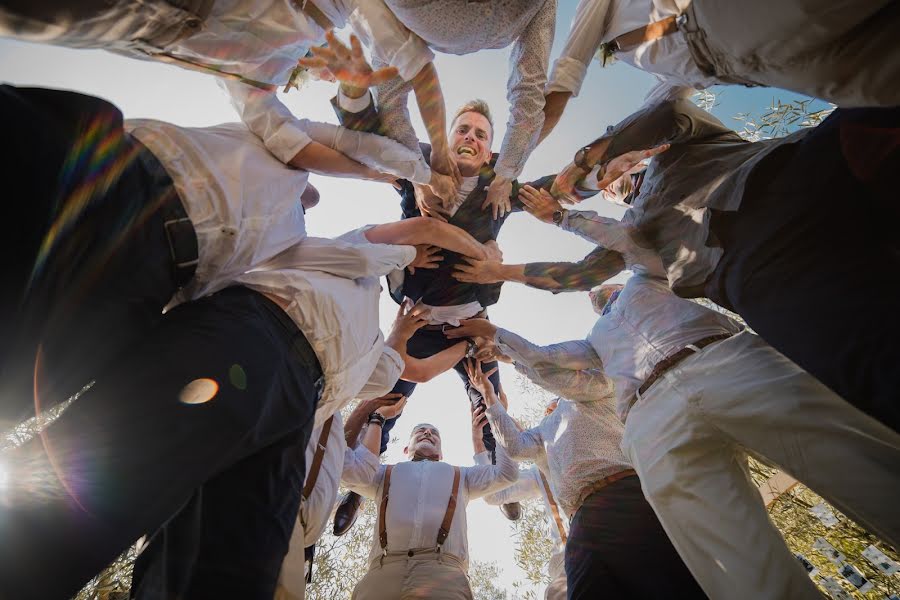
x,y
476,106
425,425
603,294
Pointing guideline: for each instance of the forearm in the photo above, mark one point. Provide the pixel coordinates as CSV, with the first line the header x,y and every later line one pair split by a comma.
x,y
322,160
584,385
430,99
355,423
424,230
599,266
420,370
521,445
574,354
372,438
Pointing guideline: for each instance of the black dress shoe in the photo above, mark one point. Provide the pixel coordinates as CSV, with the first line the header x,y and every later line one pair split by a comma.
x,y
512,511
347,513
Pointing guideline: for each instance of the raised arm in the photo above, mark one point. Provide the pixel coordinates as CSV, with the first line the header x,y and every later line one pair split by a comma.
x,y
526,488
423,230
343,258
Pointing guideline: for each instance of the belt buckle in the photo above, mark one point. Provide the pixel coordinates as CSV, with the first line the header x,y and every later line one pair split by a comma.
x,y
681,20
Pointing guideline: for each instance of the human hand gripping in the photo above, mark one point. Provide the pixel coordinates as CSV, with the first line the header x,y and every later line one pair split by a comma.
x,y
394,409
479,420
427,257
472,328
473,270
348,65
624,163
498,197
480,380
446,188
429,204
410,318
385,401
539,203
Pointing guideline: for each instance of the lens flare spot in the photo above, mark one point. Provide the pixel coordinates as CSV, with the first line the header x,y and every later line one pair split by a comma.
x,y
238,377
198,391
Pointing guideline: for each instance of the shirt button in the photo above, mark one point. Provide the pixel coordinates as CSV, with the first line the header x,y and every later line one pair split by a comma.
x,y
410,553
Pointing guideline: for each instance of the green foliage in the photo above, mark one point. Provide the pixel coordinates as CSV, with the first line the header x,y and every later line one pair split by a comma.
x,y
780,119
483,578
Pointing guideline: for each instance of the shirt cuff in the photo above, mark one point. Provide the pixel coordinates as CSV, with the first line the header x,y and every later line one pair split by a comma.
x,y
495,410
411,57
567,75
483,458
287,141
354,105
395,356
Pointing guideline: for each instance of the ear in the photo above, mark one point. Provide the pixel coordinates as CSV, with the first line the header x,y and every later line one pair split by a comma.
x,y
405,449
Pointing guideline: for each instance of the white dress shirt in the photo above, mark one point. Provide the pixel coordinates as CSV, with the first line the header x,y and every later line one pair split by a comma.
x,y
462,27
614,235
418,500
316,510
333,294
258,41
579,442
599,21
528,487
243,202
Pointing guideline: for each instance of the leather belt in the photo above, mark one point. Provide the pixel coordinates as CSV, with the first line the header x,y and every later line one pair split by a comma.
x,y
670,361
647,33
599,485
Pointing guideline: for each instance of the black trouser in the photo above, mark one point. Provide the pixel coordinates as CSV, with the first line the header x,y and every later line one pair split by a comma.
x,y
812,257
131,451
428,342
618,549
88,263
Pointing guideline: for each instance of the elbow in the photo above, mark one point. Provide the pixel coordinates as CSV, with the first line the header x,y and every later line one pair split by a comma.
x,y
416,373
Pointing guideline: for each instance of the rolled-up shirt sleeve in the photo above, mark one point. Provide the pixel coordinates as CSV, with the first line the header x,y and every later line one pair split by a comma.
x,y
365,480
574,354
375,151
267,117
387,371
585,37
528,65
520,444
485,479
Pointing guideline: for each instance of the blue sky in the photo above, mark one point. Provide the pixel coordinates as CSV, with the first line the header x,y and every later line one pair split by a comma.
x,y
149,90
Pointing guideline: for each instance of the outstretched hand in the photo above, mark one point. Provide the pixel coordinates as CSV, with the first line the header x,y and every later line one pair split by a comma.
x,y
625,162
393,409
410,318
479,379
348,65
472,328
539,203
473,270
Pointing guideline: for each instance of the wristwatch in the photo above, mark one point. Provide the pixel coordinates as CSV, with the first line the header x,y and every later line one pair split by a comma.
x,y
580,159
471,349
558,216
377,418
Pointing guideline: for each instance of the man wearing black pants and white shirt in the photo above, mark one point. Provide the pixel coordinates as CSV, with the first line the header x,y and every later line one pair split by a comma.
x,y
119,216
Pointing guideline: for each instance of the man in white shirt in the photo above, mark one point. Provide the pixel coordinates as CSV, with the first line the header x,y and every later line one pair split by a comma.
x,y
420,546
533,484
844,54
613,532
220,392
124,218
696,393
252,46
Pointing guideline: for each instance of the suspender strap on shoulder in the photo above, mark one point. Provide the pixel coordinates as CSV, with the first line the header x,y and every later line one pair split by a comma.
x,y
317,459
444,531
382,509
553,508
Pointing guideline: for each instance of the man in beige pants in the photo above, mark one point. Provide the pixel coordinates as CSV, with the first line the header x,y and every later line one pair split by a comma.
x,y
420,546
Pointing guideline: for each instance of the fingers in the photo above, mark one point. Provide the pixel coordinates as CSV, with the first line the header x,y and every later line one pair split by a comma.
x,y
313,62
654,151
489,373
356,50
339,48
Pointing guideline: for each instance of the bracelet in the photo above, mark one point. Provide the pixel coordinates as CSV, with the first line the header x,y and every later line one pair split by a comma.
x,y
376,418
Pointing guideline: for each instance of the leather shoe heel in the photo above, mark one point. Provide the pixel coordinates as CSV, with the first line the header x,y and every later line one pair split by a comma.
x,y
512,511
347,512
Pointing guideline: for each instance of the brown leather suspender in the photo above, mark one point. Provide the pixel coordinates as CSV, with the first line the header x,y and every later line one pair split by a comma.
x,y
317,459
553,508
444,530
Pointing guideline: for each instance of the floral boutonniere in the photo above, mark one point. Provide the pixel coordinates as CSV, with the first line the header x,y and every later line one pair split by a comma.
x,y
606,54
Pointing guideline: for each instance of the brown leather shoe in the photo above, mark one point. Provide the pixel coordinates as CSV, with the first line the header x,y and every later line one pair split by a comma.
x,y
512,511
347,512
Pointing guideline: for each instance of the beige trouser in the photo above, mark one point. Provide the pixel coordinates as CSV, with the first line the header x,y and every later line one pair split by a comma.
x,y
422,577
687,438
843,51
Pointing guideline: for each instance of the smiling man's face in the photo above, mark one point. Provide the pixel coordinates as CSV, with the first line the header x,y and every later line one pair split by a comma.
x,y
425,441
470,142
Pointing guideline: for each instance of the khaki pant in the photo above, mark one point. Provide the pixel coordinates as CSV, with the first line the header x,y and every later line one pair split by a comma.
x,y
422,577
843,51
688,435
